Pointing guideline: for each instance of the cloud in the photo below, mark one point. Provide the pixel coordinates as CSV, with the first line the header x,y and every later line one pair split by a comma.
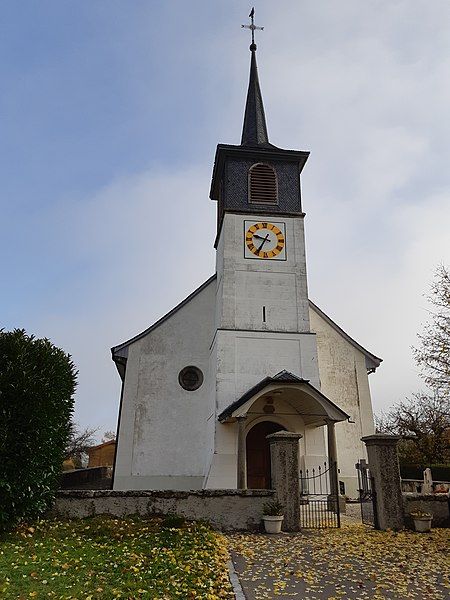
x,y
364,87
146,242
376,293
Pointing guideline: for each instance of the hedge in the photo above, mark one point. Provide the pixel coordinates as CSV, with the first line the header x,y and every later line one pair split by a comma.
x,y
37,384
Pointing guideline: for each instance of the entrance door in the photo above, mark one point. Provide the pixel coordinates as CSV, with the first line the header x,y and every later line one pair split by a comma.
x,y
258,455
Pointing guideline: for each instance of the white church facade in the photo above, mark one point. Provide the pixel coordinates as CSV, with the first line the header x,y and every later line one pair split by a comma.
x,y
247,353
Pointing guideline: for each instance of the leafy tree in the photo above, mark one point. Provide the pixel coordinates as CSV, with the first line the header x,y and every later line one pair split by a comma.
x,y
37,383
433,353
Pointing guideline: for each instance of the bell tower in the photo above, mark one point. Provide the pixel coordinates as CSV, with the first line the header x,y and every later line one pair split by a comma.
x,y
262,308
260,238
232,174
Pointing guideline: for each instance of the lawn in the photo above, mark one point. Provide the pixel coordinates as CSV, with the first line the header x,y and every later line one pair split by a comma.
x,y
107,557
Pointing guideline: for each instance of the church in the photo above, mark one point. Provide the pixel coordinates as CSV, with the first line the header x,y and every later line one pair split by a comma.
x,y
247,353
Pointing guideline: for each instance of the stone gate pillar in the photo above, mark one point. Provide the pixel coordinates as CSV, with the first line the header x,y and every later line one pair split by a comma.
x,y
385,471
284,459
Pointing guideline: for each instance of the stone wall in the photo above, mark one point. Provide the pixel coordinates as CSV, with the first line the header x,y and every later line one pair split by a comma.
x,y
415,485
223,509
436,504
92,478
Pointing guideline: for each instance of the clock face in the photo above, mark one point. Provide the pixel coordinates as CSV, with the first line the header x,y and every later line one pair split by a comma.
x,y
265,240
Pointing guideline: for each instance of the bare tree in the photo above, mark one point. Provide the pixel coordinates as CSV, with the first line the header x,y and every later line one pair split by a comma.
x,y
108,436
80,440
425,417
425,420
433,353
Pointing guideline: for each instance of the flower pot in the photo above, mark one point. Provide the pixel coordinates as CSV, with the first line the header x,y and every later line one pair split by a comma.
x,y
422,524
272,524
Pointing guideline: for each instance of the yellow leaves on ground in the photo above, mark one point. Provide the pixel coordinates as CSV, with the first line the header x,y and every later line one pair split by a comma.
x,y
354,562
104,558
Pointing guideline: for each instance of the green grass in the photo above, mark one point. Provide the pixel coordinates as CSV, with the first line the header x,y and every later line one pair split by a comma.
x,y
106,558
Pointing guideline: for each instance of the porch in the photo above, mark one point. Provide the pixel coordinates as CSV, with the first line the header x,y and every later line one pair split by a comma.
x,y
287,403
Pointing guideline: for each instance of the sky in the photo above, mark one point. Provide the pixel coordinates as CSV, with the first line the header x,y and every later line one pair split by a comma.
x,y
110,113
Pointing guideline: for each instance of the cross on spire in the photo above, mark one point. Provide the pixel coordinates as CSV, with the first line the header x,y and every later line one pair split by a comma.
x,y
252,28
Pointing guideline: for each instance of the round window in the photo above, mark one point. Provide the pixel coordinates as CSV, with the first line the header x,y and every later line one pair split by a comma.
x,y
190,378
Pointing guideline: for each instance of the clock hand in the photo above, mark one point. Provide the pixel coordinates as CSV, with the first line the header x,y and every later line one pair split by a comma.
x,y
259,236
263,242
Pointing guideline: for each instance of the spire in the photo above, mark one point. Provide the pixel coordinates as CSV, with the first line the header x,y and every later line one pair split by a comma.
x,y
254,132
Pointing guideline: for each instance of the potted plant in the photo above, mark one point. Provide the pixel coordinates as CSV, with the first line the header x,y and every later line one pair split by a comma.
x,y
273,516
422,520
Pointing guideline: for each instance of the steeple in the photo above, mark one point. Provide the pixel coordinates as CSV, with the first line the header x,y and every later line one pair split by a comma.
x,y
256,177
254,132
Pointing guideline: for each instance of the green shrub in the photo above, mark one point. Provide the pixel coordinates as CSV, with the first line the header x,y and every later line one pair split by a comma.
x,y
37,383
439,472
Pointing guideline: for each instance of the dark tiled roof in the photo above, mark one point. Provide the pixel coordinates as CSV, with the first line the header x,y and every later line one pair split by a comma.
x,y
287,376
254,131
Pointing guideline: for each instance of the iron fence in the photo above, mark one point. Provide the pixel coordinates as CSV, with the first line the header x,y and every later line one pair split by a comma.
x,y
319,499
367,494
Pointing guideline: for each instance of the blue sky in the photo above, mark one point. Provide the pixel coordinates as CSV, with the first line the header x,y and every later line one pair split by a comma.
x,y
110,112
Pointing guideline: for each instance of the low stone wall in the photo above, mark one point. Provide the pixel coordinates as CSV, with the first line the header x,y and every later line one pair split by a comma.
x,y
223,509
415,486
435,504
412,486
92,478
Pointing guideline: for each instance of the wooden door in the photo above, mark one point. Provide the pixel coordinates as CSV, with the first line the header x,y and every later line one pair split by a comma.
x,y
258,455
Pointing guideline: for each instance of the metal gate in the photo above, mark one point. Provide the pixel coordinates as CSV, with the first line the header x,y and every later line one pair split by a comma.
x,y
367,494
319,499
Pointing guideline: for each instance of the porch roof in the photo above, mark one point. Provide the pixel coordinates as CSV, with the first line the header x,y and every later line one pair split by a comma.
x,y
308,401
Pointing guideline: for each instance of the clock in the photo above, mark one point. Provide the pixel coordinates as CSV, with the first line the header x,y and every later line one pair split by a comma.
x,y
265,240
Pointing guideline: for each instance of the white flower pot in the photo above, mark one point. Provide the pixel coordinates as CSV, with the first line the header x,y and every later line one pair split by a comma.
x,y
272,524
422,524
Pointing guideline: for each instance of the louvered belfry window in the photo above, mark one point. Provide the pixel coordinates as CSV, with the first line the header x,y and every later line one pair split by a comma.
x,y
262,184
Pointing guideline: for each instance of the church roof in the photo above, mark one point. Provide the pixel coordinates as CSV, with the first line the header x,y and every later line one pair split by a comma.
x,y
120,352
372,361
254,131
286,378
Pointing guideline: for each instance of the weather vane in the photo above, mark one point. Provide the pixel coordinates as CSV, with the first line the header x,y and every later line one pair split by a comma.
x,y
252,28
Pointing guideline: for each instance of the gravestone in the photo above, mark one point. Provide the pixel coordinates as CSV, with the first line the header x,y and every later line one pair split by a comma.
x,y
427,486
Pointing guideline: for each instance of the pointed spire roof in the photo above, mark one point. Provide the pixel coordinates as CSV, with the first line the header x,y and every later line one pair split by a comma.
x,y
255,143
254,131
